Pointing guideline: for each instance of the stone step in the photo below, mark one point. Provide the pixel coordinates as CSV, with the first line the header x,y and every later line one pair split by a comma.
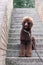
x,y
21,18
18,36
23,10
18,26
24,60
16,46
15,53
19,23
15,23
22,13
37,44
25,13
36,30
39,41
33,15
34,27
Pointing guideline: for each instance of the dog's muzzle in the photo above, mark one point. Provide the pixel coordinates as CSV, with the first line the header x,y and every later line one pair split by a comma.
x,y
26,24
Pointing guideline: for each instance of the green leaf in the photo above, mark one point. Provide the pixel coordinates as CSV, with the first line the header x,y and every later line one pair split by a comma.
x,y
24,3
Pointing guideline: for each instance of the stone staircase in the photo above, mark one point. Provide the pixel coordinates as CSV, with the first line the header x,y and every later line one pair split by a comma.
x,y
14,38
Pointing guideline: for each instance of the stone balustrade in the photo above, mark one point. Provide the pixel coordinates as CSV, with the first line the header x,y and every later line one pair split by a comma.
x,y
6,7
39,8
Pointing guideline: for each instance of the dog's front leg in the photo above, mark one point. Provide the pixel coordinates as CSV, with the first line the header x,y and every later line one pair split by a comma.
x,y
29,50
22,50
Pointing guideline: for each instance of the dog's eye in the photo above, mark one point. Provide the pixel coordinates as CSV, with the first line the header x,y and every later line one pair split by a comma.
x,y
28,23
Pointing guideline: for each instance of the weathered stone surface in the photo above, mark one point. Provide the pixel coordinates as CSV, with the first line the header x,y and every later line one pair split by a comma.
x,y
24,61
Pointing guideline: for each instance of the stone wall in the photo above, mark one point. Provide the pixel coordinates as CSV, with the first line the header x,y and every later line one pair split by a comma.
x,y
39,8
6,7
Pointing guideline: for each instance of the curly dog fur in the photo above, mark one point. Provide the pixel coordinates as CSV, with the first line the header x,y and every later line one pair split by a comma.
x,y
26,39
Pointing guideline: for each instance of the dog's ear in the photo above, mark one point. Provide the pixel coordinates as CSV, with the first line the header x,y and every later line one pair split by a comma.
x,y
23,22
31,24
31,21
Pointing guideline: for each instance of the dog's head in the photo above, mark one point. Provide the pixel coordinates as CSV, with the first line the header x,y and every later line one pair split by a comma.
x,y
27,23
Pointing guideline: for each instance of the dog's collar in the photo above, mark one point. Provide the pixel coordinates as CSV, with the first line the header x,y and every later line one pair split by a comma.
x,y
27,32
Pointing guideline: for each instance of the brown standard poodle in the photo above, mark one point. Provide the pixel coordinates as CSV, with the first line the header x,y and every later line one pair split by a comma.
x,y
27,42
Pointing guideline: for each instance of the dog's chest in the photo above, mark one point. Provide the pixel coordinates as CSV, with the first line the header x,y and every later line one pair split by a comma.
x,y
26,36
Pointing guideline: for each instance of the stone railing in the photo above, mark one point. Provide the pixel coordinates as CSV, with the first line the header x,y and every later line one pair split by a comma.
x,y
39,8
6,7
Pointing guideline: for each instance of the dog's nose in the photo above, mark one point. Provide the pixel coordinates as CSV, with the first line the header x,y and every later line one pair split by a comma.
x,y
26,24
